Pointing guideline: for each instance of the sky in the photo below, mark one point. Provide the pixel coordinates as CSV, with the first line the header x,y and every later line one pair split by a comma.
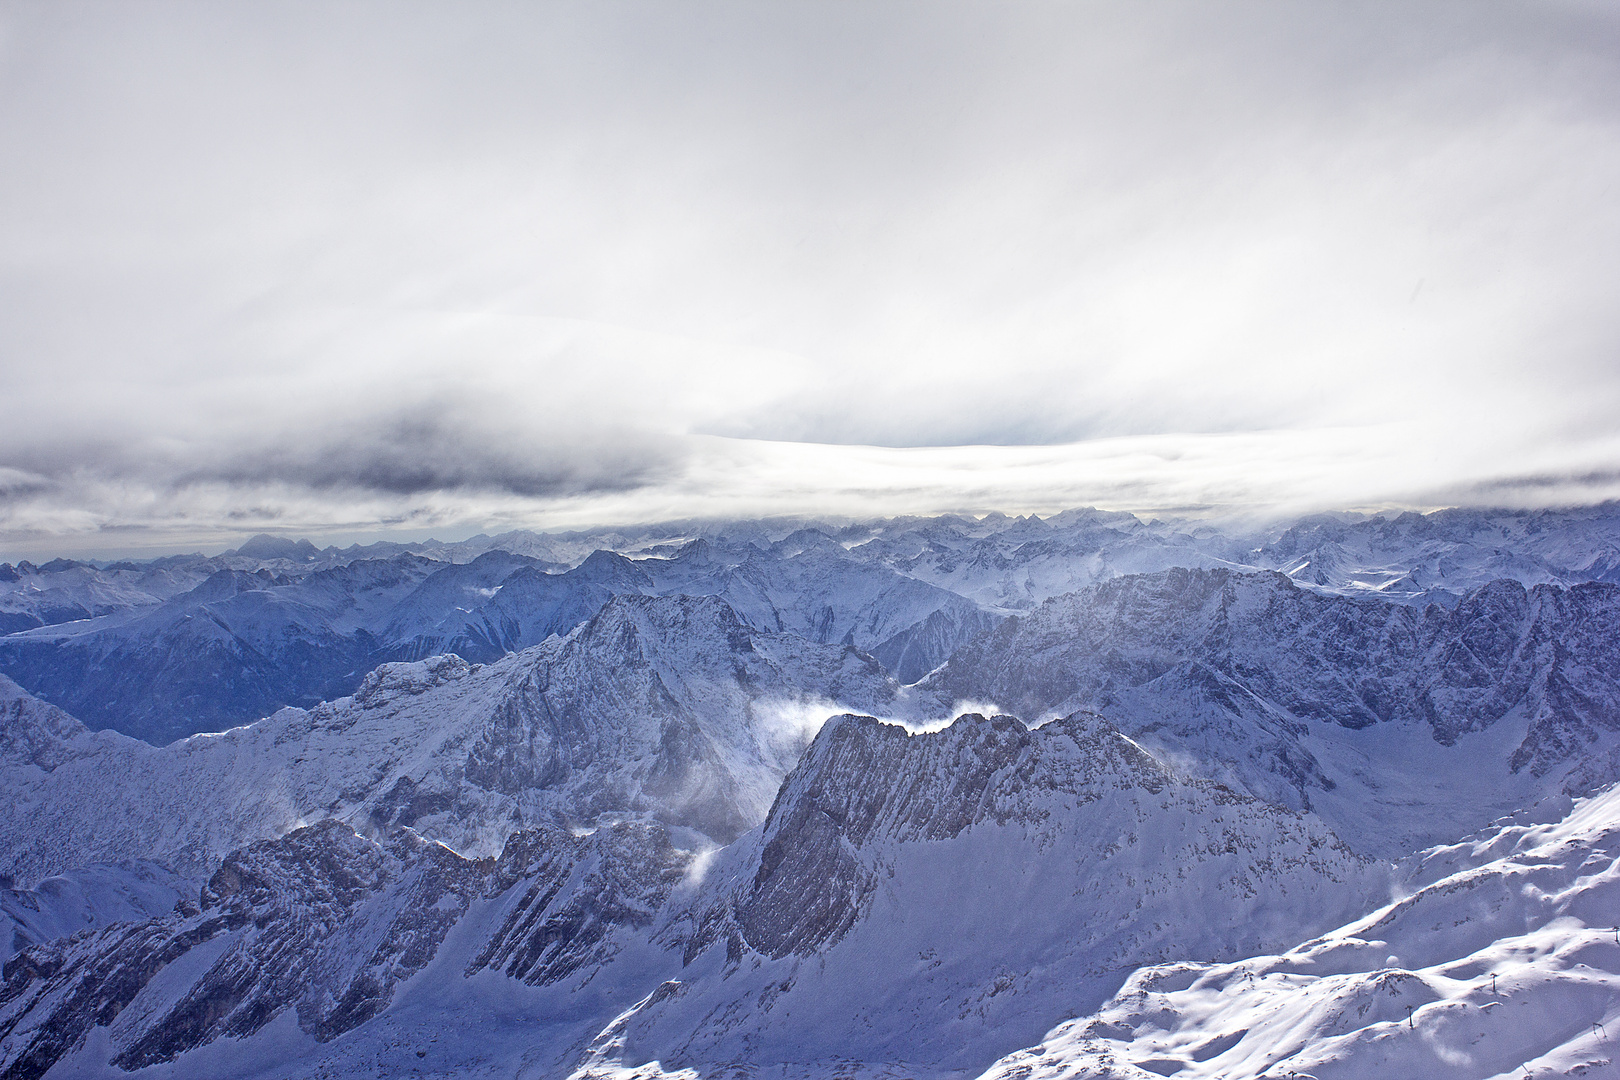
x,y
399,269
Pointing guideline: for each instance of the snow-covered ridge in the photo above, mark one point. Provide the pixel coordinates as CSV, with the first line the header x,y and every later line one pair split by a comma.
x,y
240,645
817,936
1508,967
204,643
1366,711
323,925
668,707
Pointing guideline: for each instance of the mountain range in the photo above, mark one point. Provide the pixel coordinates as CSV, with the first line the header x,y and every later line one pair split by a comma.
x,y
1088,796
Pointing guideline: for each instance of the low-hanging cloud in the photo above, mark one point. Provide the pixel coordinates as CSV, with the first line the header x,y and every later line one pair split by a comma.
x,y
420,453
407,454
395,268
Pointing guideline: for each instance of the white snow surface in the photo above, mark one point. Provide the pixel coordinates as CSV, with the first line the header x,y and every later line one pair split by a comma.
x,y
1507,963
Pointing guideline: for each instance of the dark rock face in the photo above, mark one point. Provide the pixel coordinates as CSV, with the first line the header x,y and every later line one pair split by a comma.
x,y
864,778
284,916
575,892
1554,652
328,923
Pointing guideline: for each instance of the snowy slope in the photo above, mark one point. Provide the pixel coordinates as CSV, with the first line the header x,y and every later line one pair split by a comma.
x,y
924,901
85,899
932,899
1508,965
669,707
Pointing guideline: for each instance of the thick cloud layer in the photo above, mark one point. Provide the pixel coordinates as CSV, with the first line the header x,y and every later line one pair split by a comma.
x,y
399,266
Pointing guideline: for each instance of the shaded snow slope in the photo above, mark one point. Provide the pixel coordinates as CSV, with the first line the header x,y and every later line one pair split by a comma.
x,y
668,707
1509,965
86,899
236,647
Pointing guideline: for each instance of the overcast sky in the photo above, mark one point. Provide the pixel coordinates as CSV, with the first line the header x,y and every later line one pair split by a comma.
x,y
336,269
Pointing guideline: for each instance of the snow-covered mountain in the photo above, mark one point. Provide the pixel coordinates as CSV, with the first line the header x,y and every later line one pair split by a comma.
x,y
925,899
1449,551
236,647
296,942
808,584
920,899
669,707
572,805
915,904
1401,727
66,591
187,643
240,645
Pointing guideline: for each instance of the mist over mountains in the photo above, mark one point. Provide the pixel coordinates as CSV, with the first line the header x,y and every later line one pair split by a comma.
x,y
1082,796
